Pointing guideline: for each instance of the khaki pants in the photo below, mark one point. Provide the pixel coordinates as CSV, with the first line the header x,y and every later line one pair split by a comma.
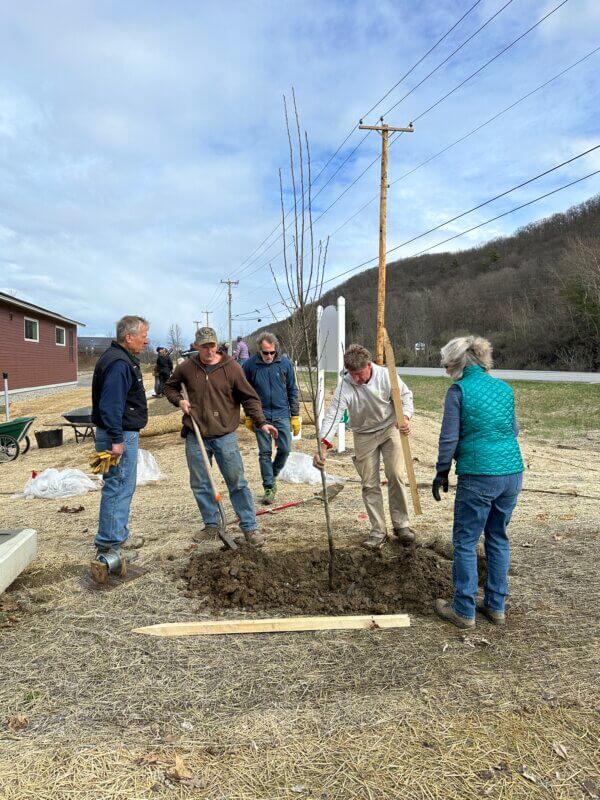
x,y
367,448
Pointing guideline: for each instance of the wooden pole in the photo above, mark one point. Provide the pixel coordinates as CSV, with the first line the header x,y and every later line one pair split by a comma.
x,y
382,243
384,130
397,400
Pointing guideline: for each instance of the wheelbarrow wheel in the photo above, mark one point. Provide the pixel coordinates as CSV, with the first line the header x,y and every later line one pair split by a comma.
x,y
27,445
9,448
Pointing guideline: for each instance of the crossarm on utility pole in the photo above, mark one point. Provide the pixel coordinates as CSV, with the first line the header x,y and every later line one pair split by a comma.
x,y
397,400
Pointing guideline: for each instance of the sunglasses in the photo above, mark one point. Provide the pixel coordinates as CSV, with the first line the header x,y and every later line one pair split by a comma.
x,y
269,352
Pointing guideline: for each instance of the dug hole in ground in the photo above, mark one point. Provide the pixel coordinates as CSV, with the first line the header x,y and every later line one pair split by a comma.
x,y
425,711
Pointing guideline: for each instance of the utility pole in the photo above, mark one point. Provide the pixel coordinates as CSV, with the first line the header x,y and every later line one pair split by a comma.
x,y
207,315
384,130
196,323
229,285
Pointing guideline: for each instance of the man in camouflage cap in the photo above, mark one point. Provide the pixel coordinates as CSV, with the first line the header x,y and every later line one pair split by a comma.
x,y
216,388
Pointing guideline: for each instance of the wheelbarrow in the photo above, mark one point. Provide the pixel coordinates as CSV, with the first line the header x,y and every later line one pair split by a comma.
x,y
13,438
80,419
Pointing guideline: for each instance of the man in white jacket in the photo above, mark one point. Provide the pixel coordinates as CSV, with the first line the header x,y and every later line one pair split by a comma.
x,y
365,393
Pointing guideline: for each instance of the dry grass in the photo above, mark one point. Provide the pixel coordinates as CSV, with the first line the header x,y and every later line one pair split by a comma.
x,y
414,713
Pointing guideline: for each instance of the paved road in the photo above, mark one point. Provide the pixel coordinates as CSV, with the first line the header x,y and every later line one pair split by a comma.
x,y
515,374
508,374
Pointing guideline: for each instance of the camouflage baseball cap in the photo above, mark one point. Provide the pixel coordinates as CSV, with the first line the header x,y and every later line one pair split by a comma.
x,y
206,336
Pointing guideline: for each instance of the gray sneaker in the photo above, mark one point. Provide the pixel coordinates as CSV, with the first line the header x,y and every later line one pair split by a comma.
x,y
206,534
254,538
443,608
495,617
375,541
404,535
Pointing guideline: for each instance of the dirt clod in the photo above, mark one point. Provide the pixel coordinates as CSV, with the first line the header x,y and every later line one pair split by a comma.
x,y
406,579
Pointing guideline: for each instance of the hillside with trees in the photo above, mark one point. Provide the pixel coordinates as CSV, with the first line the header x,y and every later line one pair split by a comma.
x,y
535,295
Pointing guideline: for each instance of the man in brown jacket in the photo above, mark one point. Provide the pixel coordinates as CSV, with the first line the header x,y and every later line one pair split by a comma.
x,y
216,387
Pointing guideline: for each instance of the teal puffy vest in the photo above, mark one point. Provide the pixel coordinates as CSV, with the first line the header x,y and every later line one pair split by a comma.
x,y
487,444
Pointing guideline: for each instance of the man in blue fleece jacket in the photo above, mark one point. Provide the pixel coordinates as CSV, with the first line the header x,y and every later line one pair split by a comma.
x,y
273,378
119,411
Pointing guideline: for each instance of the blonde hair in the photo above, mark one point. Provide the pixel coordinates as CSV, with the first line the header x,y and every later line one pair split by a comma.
x,y
464,351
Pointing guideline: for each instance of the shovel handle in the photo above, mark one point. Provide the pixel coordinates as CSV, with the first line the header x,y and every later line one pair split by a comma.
x,y
225,537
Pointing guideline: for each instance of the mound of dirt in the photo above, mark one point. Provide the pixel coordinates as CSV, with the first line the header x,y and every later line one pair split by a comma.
x,y
398,579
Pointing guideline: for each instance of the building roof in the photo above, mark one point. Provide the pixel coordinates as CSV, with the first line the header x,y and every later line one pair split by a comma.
x,y
14,301
94,341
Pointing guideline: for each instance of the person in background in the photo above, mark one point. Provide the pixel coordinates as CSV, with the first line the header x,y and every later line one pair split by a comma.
x,y
241,351
272,376
216,387
479,431
162,370
365,393
119,412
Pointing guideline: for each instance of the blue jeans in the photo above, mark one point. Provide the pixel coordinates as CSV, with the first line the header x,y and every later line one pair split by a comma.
x,y
117,492
483,503
226,452
269,470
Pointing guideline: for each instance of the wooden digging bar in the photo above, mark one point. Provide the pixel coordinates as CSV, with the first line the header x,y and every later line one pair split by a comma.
x,y
397,400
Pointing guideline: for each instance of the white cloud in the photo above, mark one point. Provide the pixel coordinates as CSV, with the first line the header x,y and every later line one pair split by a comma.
x,y
140,143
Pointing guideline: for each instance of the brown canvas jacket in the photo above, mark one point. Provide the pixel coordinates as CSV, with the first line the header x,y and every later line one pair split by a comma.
x,y
215,396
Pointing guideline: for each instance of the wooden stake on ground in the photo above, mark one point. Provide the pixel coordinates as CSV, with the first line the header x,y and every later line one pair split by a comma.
x,y
397,400
276,625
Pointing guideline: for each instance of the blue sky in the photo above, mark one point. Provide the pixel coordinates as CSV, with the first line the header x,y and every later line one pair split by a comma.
x,y
140,142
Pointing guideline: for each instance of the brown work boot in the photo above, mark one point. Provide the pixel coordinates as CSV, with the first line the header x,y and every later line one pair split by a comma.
x,y
404,535
375,541
495,617
443,608
206,534
254,538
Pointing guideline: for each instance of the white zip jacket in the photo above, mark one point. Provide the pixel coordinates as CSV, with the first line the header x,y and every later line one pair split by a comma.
x,y
369,405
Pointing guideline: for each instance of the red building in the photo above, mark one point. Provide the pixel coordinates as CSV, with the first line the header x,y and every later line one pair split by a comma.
x,y
38,348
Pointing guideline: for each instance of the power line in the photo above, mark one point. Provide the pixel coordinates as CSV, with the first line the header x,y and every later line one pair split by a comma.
x,y
512,210
420,116
431,49
487,63
480,205
467,135
353,129
454,52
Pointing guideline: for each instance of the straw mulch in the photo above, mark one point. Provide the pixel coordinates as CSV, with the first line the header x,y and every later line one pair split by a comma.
x,y
90,710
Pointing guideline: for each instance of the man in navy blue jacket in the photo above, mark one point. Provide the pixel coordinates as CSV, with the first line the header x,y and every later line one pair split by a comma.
x,y
272,377
119,412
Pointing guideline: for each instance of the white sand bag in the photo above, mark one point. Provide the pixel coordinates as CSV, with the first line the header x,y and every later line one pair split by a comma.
x,y
299,469
148,470
54,484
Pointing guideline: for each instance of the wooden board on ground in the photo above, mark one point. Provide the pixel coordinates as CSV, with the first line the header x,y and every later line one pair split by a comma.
x,y
277,625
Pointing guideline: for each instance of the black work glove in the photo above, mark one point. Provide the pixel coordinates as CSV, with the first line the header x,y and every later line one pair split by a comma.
x,y
441,479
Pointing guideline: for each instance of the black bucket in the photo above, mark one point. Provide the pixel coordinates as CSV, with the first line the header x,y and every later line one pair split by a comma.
x,y
52,438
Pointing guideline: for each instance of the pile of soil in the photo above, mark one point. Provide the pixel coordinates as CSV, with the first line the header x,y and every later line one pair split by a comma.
x,y
398,579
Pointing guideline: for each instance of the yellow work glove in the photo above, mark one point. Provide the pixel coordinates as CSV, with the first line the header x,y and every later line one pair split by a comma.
x,y
101,462
296,423
249,424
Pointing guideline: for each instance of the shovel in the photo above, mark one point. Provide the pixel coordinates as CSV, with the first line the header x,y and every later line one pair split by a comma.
x,y
227,540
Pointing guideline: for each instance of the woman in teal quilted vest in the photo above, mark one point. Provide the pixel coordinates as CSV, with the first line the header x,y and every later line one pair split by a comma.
x,y
479,431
